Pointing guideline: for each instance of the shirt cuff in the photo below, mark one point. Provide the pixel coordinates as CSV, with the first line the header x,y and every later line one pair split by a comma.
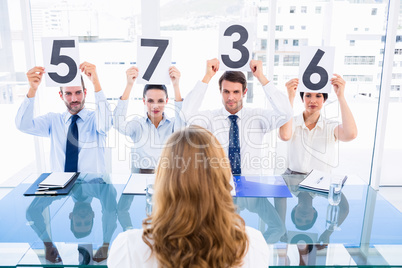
x,y
100,96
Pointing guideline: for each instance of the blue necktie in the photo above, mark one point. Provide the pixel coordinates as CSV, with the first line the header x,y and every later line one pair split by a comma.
x,y
234,146
72,146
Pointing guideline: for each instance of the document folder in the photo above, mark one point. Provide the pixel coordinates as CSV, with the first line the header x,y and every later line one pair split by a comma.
x,y
33,190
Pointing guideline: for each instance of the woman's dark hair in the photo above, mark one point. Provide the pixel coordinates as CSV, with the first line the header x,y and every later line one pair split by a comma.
x,y
149,87
325,95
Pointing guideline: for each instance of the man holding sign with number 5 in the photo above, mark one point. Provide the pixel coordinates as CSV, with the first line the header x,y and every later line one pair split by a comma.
x,y
148,133
312,137
77,135
240,130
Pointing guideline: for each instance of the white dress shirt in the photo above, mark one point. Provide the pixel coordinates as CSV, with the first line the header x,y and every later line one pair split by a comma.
x,y
129,250
313,149
253,124
148,141
92,129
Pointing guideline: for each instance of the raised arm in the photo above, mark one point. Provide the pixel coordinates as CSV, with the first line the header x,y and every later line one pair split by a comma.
x,y
103,113
193,100
175,75
120,123
24,120
285,131
282,110
346,131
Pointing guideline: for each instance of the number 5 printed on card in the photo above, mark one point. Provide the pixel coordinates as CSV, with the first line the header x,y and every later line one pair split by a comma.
x,y
61,60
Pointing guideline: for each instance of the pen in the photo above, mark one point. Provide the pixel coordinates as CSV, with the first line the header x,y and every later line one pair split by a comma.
x,y
319,180
46,192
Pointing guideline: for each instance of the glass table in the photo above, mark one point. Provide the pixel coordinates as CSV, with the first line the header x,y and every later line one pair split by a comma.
x,y
303,230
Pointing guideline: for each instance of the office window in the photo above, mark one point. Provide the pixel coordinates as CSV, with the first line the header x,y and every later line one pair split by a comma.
x,y
396,75
265,28
279,28
291,27
295,43
276,44
366,29
303,27
351,42
374,11
291,60
262,58
285,41
276,61
264,43
395,87
359,60
358,78
292,9
355,29
303,9
318,10
398,51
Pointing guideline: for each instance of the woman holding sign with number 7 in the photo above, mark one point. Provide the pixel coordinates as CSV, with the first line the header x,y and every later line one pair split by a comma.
x,y
313,138
149,133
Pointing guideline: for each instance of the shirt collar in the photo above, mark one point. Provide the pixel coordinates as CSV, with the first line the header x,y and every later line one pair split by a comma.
x,y
83,114
164,119
226,113
299,121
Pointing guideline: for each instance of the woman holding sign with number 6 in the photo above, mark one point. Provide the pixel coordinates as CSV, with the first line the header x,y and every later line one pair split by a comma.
x,y
149,133
313,138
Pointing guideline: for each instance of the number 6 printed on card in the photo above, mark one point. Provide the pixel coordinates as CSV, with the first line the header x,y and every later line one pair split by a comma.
x,y
61,60
154,59
235,46
316,68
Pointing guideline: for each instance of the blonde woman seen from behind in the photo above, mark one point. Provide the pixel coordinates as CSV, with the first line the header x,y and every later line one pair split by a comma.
x,y
194,221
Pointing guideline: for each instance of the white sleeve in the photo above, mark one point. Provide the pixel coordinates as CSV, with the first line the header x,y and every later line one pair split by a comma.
x,y
25,122
103,113
258,251
190,113
120,122
119,255
282,110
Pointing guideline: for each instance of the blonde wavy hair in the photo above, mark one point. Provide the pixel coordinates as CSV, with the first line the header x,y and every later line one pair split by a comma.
x,y
194,222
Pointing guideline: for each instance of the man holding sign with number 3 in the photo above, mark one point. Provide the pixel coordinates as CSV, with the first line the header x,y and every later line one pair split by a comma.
x,y
77,135
240,130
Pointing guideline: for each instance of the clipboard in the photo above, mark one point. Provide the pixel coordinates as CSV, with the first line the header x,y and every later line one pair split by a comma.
x,y
32,190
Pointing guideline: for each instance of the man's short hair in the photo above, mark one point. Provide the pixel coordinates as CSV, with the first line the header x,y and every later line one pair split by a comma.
x,y
235,77
325,95
306,226
82,84
150,86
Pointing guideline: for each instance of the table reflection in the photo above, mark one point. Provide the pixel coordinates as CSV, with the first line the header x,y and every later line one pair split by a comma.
x,y
81,217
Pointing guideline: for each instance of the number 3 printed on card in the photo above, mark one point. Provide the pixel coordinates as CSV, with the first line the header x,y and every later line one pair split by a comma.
x,y
61,59
235,46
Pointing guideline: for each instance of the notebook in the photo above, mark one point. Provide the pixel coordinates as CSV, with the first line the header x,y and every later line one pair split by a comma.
x,y
320,181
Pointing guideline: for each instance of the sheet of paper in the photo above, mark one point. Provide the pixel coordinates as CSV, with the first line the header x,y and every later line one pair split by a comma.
x,y
138,183
57,179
